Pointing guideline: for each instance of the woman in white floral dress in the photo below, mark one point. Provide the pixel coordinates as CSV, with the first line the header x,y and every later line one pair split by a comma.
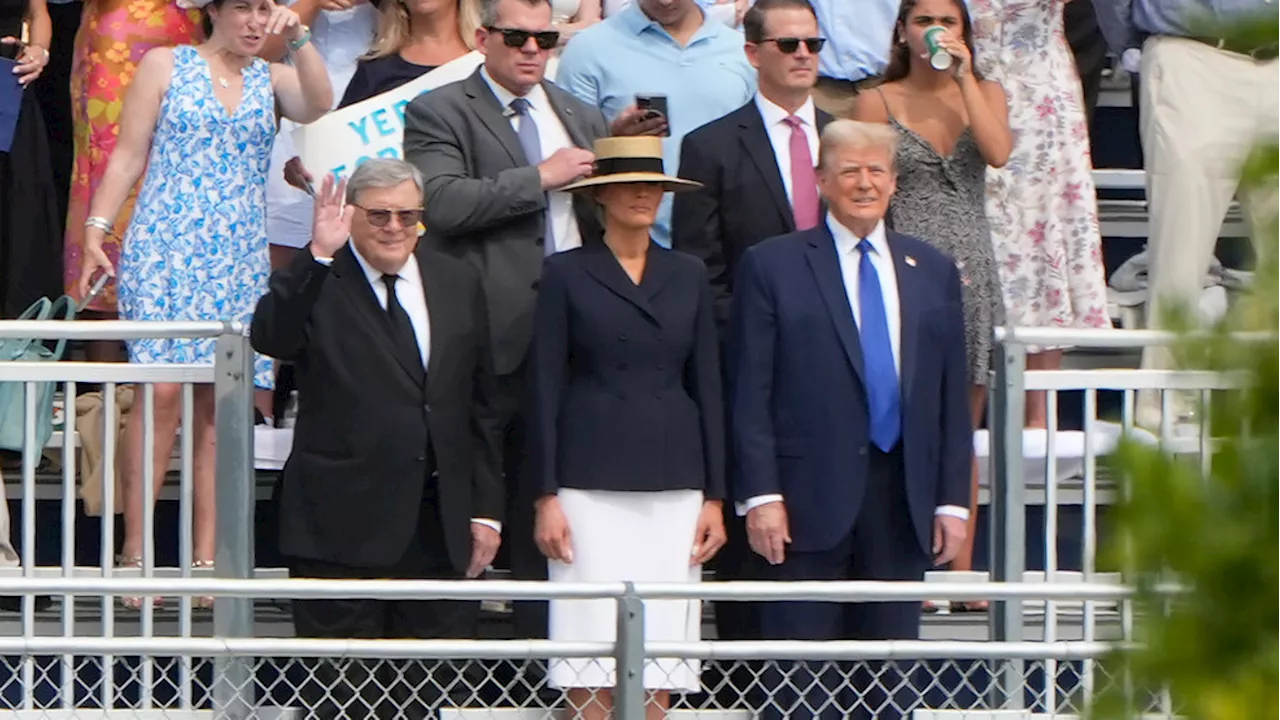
x,y
1042,205
200,120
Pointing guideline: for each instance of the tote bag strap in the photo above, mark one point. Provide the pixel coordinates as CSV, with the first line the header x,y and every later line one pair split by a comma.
x,y
64,308
14,348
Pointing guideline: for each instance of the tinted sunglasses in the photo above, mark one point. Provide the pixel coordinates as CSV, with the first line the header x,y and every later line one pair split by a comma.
x,y
789,45
513,38
380,217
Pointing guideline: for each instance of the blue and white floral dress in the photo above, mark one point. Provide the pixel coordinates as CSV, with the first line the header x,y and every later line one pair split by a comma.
x,y
196,248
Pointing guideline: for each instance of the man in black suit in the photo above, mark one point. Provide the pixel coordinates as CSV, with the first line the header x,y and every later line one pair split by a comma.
x,y
395,469
496,148
747,164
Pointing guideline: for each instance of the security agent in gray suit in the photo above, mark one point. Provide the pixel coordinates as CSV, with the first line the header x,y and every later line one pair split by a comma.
x,y
495,149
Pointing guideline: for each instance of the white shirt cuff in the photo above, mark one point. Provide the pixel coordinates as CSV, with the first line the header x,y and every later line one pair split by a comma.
x,y
497,526
954,511
752,503
325,261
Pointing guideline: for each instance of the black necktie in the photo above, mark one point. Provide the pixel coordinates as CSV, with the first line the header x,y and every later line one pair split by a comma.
x,y
406,341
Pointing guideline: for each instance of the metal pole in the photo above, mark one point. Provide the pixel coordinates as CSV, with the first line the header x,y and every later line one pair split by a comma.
x,y
233,696
1008,510
629,695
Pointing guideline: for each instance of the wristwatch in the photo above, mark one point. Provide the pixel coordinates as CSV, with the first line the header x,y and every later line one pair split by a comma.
x,y
303,39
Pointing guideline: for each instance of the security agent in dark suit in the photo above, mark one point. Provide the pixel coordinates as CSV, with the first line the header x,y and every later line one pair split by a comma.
x,y
394,471
851,425
496,148
751,163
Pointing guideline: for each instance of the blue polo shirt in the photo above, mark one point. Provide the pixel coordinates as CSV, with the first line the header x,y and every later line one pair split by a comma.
x,y
607,64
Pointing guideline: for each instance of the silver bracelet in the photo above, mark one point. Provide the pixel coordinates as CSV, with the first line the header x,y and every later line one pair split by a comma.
x,y
99,222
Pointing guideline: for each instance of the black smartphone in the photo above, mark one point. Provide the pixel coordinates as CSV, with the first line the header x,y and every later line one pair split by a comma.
x,y
653,106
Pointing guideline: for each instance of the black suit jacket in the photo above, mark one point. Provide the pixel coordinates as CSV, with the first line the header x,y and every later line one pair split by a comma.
x,y
369,425
743,200
626,378
485,202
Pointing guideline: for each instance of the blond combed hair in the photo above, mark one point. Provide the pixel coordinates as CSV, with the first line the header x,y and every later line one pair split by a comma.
x,y
393,27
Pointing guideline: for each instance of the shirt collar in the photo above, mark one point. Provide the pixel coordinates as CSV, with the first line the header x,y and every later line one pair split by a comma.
x,y
773,114
537,97
408,274
847,241
633,19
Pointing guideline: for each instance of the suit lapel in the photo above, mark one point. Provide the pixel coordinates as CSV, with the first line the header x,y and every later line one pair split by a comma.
x,y
755,139
434,284
606,270
826,271
563,110
356,284
908,312
491,113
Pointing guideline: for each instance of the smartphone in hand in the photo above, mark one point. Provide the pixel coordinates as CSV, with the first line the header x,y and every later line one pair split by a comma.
x,y
94,292
652,106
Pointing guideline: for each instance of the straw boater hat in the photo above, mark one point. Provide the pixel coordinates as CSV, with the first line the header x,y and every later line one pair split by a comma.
x,y
632,159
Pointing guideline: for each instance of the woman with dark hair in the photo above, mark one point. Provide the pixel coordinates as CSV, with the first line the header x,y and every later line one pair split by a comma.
x,y
200,120
952,125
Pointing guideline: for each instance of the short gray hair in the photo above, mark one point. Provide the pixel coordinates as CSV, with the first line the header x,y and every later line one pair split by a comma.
x,y
382,173
489,10
852,133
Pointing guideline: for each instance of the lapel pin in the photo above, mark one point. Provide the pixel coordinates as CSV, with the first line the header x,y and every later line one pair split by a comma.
x,y
911,262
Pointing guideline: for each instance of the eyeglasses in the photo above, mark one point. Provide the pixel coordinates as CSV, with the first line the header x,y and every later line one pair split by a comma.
x,y
789,45
514,38
379,217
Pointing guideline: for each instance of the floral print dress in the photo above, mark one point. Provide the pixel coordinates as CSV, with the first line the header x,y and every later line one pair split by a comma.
x,y
113,37
196,248
1041,205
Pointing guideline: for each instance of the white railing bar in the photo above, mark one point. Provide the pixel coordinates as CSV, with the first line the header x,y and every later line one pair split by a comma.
x,y
30,459
811,591
1102,338
105,372
147,470
1119,179
1051,538
186,501
108,541
541,649
1125,379
114,329
69,459
1090,533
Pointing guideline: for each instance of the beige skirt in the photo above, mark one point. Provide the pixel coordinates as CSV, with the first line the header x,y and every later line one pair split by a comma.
x,y
628,537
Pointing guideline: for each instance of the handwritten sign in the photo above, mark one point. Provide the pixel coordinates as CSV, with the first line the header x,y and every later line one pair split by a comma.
x,y
338,142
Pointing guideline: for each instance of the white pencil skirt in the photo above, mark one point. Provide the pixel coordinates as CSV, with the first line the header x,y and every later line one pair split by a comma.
x,y
636,537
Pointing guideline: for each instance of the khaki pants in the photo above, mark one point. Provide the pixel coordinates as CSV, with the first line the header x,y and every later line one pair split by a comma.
x,y
8,557
1202,110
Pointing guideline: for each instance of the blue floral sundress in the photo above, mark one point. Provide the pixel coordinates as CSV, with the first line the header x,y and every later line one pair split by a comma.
x,y
196,248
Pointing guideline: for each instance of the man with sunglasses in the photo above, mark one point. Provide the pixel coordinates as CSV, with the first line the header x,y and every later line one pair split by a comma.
x,y
757,168
496,148
659,47
395,469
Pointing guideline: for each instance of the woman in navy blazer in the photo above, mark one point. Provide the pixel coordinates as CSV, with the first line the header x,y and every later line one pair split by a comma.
x,y
628,435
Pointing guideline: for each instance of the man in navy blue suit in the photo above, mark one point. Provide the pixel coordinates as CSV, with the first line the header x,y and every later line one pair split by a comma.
x,y
851,427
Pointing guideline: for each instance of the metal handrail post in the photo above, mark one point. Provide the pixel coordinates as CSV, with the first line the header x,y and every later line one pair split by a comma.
x,y
233,690
629,695
1008,510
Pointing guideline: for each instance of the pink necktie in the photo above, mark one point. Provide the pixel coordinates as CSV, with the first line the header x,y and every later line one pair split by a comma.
x,y
804,181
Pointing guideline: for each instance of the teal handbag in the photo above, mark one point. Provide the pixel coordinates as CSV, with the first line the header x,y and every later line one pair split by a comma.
x,y
12,396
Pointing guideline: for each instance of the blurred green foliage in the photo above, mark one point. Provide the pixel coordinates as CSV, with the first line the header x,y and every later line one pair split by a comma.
x,y
1216,648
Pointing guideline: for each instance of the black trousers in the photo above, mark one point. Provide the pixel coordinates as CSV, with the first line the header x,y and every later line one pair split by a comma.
x,y
882,546
53,90
360,689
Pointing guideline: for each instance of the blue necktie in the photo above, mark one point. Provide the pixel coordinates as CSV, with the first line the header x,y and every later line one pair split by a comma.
x,y
877,356
531,143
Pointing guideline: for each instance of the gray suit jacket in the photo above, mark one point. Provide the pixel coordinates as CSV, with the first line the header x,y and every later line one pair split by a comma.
x,y
484,200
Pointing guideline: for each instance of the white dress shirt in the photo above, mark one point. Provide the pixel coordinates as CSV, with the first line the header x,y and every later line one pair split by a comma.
x,y
413,298
780,134
551,136
882,260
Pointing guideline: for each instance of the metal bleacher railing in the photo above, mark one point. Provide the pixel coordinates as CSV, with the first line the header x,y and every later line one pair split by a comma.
x,y
1036,651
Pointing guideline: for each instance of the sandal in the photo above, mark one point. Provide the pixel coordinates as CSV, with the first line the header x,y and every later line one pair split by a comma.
x,y
205,602
134,602
970,606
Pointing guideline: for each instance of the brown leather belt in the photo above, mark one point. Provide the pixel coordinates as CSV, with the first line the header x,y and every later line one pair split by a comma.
x,y
1261,54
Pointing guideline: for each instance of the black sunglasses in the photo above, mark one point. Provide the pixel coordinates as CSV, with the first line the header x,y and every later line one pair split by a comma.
x,y
789,45
514,38
379,217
